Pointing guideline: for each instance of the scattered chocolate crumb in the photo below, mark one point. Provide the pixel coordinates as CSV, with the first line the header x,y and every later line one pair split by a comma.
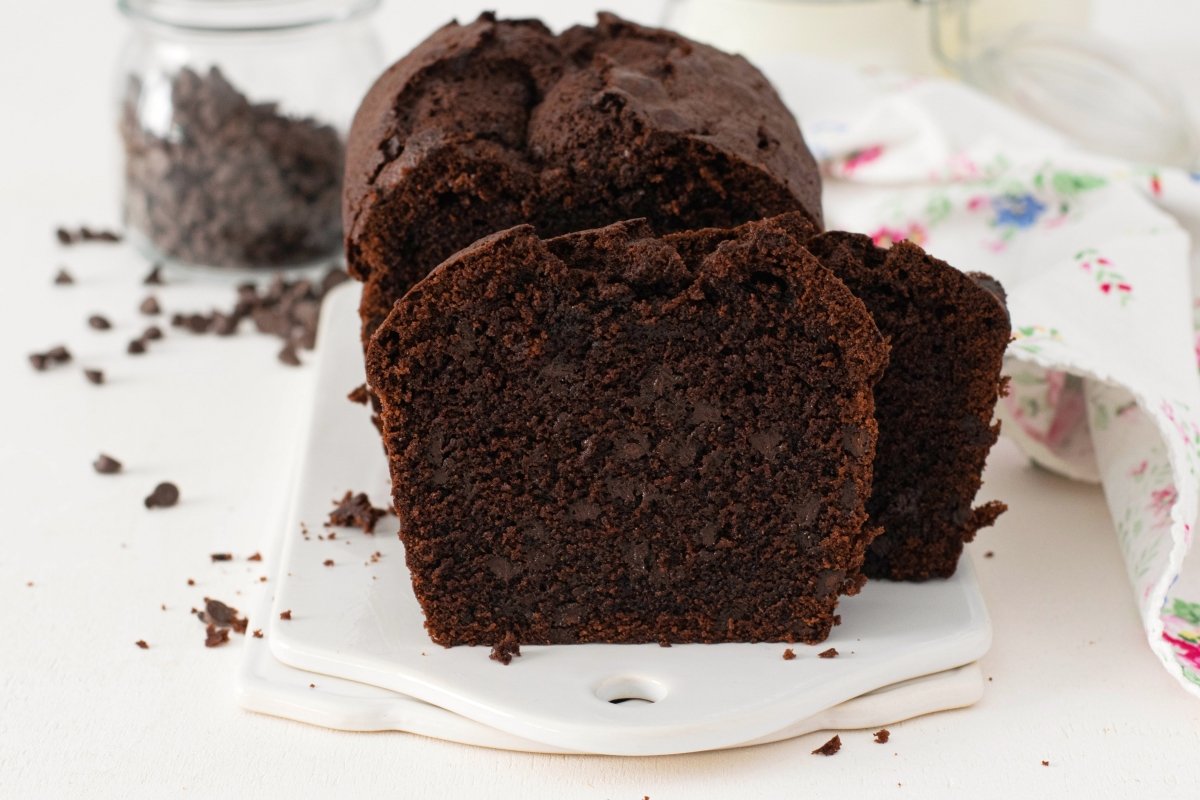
x,y
506,649
152,334
64,236
55,355
94,376
262,578
882,735
106,465
258,634
359,394
332,535
150,306
789,654
830,653
154,276
191,582
989,554
142,644
312,686
285,615
328,562
1045,763
829,748
163,606
29,584
289,356
165,495
85,234
99,322
217,613
136,347
221,556
63,278
355,511
215,637
255,557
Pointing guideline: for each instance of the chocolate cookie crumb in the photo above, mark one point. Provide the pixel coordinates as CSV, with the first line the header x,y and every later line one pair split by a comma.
x,y
258,634
191,582
506,649
154,276
355,511
359,394
221,556
99,322
63,278
136,347
830,653
255,557
215,637
106,465
94,376
328,562
217,613
150,306
285,615
165,495
829,748
789,654
882,735
142,644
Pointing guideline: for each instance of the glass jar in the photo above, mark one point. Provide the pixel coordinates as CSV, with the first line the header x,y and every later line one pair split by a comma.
x,y
232,120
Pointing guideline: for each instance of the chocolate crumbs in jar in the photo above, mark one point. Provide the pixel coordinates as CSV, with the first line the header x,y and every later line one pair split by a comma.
x,y
226,182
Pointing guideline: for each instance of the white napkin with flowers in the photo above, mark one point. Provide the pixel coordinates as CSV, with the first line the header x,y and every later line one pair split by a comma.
x,y
1097,258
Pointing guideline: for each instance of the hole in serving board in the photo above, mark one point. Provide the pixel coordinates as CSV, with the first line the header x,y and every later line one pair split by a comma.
x,y
630,690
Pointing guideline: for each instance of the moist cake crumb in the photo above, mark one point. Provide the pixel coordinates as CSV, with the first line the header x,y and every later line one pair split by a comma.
x,y
142,644
255,557
285,615
221,556
506,649
215,637
882,735
829,748
830,653
789,654
355,511
359,394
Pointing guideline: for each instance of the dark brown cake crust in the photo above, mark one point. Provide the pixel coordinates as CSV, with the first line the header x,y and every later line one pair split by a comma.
x,y
612,437
948,332
496,123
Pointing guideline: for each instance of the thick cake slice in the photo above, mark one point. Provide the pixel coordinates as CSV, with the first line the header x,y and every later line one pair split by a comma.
x,y
948,331
612,437
495,123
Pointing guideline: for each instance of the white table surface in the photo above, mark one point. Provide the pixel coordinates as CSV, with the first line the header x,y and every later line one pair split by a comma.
x,y
83,712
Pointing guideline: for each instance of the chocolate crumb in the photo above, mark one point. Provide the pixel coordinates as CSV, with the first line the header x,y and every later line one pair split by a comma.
x,y
1045,763
328,562
55,355
217,613
150,306
506,649
989,554
215,637
285,615
106,465
142,644
152,334
99,322
355,511
163,606
154,277
829,748
64,236
359,394
289,356
136,347
255,557
165,495
258,634
221,556
882,735
94,376
63,278
191,582
830,653
789,654
312,686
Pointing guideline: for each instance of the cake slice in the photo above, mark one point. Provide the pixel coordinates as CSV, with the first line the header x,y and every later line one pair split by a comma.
x,y
948,331
500,122
614,437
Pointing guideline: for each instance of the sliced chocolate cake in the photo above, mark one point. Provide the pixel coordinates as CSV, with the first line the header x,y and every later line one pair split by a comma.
x,y
948,331
495,123
615,437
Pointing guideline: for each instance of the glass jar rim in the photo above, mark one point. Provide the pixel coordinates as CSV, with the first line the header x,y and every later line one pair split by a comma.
x,y
235,16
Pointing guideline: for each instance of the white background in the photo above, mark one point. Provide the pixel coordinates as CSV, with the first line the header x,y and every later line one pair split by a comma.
x,y
83,712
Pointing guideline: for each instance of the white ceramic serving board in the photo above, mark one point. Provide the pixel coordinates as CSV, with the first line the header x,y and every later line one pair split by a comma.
x,y
359,620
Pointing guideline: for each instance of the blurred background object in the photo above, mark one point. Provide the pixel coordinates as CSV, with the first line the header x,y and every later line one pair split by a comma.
x,y
1044,58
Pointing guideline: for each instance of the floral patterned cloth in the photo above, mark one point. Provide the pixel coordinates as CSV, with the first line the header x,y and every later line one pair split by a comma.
x,y
1097,259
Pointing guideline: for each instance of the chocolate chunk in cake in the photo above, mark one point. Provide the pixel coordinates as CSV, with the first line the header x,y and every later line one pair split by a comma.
x,y
948,331
499,122
614,437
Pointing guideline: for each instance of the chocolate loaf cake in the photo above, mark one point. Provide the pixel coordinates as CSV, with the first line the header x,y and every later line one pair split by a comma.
x,y
947,331
495,123
616,437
